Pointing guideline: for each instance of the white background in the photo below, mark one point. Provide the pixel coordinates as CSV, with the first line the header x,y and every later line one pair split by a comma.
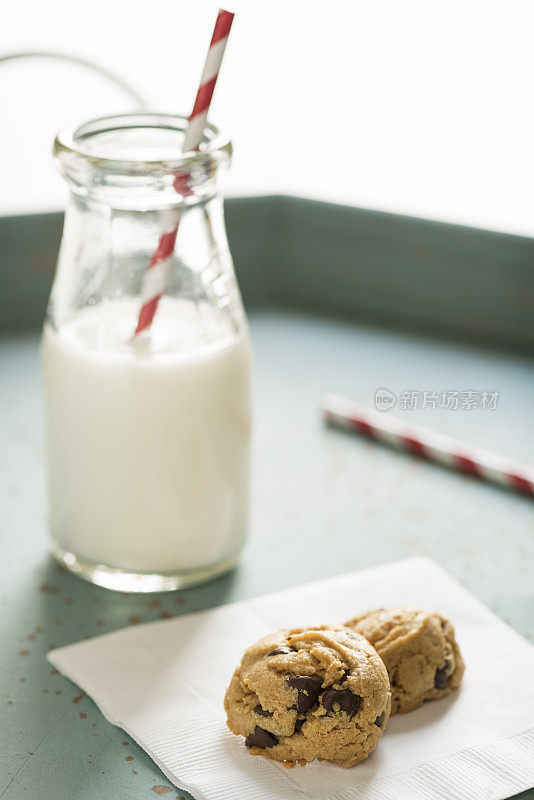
x,y
415,106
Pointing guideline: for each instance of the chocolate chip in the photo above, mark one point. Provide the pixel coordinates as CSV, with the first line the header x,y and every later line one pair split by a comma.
x,y
262,711
299,723
261,738
309,690
345,675
282,651
343,698
379,720
441,678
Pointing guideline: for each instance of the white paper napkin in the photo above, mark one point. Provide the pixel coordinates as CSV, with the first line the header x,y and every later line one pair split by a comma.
x,y
164,683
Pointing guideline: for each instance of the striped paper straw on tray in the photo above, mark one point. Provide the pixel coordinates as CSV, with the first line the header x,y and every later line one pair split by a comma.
x,y
156,276
380,426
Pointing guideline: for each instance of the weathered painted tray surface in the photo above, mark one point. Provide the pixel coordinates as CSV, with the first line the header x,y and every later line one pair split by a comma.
x,y
323,503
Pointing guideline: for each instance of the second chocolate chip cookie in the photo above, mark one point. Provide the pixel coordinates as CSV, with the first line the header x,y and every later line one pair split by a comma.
x,y
419,650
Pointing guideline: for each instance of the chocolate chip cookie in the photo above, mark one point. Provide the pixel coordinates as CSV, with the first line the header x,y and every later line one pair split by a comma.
x,y
310,693
419,650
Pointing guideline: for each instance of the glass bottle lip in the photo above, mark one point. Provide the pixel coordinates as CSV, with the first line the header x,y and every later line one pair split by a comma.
x,y
85,144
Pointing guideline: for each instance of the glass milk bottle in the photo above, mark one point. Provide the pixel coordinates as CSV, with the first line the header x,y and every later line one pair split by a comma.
x,y
147,434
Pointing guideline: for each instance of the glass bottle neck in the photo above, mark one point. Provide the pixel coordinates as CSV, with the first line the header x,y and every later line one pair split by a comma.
x,y
129,188
135,161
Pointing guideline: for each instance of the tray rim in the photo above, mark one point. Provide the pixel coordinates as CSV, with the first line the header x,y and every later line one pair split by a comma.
x,y
391,269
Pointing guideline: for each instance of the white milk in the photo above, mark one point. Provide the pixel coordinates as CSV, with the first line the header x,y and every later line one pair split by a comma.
x,y
148,442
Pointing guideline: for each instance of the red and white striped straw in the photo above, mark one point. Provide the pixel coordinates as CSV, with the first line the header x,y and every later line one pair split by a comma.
x,y
444,450
156,277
